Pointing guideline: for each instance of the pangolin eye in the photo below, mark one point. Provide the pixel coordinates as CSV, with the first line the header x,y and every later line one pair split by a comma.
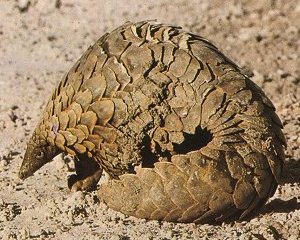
x,y
40,154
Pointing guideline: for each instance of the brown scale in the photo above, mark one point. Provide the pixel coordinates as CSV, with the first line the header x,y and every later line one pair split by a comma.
x,y
184,135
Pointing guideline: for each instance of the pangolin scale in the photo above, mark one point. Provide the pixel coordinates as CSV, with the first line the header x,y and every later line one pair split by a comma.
x,y
184,135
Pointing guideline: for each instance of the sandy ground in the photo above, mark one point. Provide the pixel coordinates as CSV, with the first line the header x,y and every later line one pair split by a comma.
x,y
39,41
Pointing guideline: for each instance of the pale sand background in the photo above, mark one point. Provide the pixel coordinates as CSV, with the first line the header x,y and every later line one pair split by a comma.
x,y
39,43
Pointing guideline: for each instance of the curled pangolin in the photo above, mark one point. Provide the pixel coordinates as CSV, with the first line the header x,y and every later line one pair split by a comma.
x,y
182,132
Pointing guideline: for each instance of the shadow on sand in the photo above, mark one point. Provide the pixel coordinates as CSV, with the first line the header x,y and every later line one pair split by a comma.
x,y
291,175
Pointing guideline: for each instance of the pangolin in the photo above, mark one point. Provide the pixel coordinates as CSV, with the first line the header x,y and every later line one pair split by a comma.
x,y
184,135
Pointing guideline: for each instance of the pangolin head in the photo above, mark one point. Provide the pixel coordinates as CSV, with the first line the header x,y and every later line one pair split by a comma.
x,y
38,153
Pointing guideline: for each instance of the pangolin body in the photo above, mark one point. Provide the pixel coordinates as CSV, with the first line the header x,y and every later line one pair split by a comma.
x,y
183,133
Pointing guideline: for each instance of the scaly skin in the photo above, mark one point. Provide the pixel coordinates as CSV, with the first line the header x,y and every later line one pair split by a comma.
x,y
183,133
